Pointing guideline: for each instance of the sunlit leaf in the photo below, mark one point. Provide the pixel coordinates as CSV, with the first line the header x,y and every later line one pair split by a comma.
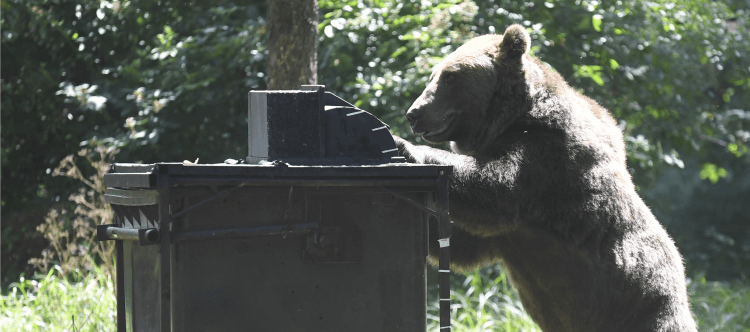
x,y
596,21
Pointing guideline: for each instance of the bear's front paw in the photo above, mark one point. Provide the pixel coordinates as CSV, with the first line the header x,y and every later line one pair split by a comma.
x,y
408,150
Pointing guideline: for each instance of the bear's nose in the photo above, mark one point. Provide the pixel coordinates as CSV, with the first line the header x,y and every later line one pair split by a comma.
x,y
412,115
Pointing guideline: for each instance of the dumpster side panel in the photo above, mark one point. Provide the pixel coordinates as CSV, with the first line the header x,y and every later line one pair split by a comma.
x,y
276,285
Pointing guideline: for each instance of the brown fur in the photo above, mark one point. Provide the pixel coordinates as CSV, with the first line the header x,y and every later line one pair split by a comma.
x,y
540,184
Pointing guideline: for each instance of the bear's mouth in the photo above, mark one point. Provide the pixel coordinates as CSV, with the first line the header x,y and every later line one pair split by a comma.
x,y
430,135
435,132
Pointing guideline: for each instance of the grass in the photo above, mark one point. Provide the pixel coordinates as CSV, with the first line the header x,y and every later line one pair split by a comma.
x,y
481,301
484,301
51,303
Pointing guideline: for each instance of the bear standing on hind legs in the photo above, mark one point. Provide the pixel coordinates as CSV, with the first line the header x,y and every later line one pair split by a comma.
x,y
540,185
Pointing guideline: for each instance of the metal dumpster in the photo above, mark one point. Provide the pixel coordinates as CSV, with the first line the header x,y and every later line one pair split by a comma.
x,y
313,237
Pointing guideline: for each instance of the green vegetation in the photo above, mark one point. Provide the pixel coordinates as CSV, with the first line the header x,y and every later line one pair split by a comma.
x,y
481,301
167,80
484,301
720,306
49,302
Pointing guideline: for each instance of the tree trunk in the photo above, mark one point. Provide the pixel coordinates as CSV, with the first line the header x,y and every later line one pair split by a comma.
x,y
292,43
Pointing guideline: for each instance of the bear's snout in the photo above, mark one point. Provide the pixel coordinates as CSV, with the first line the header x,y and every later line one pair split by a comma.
x,y
416,113
412,115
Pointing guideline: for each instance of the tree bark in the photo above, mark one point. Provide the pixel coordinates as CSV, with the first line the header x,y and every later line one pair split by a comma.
x,y
292,43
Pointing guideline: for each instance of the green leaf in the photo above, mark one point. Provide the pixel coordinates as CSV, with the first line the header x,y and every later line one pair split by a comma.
x,y
712,172
598,79
613,64
596,20
737,150
75,36
592,72
398,52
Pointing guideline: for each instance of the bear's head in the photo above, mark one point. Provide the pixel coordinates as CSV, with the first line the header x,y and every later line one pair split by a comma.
x,y
475,91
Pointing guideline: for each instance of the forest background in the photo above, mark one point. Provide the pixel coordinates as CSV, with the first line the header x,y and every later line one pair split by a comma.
x,y
88,82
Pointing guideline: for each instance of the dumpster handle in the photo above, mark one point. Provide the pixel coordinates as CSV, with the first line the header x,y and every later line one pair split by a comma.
x,y
145,236
245,232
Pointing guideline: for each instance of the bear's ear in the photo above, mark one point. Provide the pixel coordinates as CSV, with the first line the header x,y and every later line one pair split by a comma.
x,y
516,42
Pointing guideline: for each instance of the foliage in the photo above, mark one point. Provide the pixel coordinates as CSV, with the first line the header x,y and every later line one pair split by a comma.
x,y
160,80
380,54
639,59
167,80
40,125
38,55
189,84
52,302
482,300
72,236
707,221
675,75
720,306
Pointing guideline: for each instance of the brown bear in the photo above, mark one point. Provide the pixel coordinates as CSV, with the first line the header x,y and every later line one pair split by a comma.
x,y
541,185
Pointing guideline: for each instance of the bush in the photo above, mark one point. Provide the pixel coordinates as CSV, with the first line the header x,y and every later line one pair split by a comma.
x,y
53,302
720,306
71,236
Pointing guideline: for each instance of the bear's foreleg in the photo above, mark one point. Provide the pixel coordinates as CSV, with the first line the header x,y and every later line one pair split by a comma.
x,y
468,252
483,197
